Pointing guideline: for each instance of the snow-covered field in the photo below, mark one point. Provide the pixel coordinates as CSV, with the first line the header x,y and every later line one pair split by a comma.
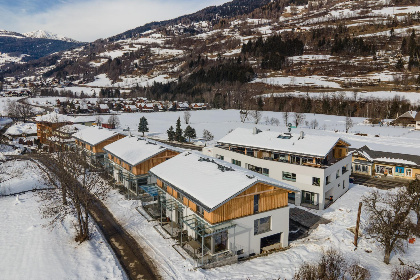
x,y
29,250
220,122
281,265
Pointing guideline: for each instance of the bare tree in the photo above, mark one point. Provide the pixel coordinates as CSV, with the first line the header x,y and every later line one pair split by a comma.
x,y
413,190
187,116
243,114
286,117
388,222
299,118
19,111
99,120
349,123
274,121
404,272
80,182
114,121
314,124
256,116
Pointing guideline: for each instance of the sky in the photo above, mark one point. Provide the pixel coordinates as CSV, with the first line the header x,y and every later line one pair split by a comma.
x,y
88,20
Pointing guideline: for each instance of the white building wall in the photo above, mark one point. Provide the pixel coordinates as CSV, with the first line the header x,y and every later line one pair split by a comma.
x,y
243,235
303,173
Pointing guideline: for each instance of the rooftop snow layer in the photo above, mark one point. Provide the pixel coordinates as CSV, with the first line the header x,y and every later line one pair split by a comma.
x,y
20,128
53,118
94,135
135,150
209,181
313,145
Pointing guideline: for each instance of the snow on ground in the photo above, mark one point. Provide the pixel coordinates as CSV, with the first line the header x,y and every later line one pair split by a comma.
x,y
29,250
3,104
298,81
220,122
343,214
101,81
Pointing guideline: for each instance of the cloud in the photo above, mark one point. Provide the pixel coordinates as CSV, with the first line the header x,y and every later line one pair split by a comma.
x,y
91,20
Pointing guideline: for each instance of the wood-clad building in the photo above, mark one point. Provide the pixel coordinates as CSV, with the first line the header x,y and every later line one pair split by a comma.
x,y
94,139
130,159
382,164
47,124
234,209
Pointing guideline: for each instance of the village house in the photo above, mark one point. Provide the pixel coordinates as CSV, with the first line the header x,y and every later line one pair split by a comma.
x,y
385,164
130,108
406,119
219,209
130,159
46,124
417,119
103,108
94,139
318,165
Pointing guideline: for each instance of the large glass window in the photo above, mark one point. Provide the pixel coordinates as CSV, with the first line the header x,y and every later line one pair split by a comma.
x,y
256,203
316,181
221,241
262,225
289,176
408,172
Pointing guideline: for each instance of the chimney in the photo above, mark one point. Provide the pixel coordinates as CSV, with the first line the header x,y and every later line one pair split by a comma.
x,y
302,134
255,130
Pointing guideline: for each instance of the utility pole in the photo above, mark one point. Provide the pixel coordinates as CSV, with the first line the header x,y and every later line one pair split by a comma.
x,y
356,232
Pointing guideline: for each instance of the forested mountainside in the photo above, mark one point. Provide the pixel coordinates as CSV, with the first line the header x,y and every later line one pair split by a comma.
x,y
227,55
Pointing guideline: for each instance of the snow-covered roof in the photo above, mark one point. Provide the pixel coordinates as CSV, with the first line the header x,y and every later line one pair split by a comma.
x,y
408,114
94,135
53,118
387,157
103,106
313,145
135,150
208,181
21,128
82,119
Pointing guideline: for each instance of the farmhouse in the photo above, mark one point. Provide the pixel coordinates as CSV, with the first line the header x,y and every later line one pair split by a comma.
x,y
385,164
94,139
318,165
130,159
406,119
220,208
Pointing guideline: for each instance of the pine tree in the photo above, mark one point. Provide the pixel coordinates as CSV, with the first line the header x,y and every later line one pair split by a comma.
x,y
143,125
189,133
171,133
178,131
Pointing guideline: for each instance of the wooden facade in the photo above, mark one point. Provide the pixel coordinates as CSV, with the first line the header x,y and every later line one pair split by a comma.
x,y
44,130
145,166
96,149
242,205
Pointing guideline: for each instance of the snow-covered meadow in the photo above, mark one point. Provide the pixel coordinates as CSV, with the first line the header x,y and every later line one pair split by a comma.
x,y
220,122
29,250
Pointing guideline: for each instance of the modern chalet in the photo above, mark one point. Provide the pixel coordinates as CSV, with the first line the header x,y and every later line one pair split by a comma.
x,y
47,124
219,208
317,165
385,164
130,159
94,139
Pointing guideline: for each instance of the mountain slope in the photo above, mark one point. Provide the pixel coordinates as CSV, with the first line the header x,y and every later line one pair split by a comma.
x,y
41,34
29,48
